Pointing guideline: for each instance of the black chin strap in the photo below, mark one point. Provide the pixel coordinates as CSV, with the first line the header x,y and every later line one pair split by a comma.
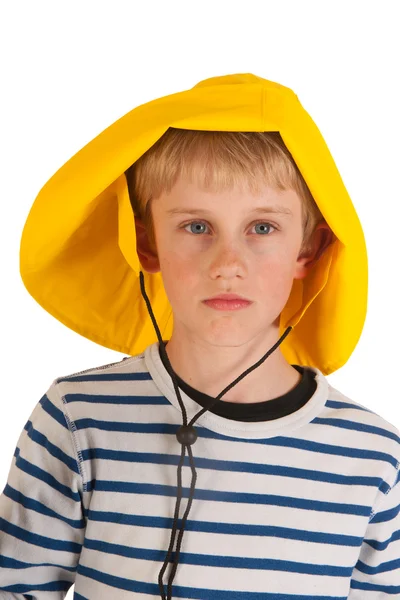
x,y
186,436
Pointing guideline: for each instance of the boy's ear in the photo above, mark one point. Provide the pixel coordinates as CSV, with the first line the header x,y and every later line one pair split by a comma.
x,y
321,239
147,256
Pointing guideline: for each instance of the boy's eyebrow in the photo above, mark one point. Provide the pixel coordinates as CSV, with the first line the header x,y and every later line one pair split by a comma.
x,y
277,209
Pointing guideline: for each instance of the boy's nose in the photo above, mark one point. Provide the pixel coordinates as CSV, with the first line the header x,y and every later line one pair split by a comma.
x,y
228,261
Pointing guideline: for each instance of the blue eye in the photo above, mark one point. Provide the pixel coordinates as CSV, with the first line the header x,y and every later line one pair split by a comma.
x,y
185,225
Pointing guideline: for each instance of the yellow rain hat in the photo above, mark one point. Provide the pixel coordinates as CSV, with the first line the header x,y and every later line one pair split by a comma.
x,y
78,256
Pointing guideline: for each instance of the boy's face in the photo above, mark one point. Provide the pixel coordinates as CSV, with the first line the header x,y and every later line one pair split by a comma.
x,y
232,249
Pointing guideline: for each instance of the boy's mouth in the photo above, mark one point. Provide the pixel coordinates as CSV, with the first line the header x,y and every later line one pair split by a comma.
x,y
223,304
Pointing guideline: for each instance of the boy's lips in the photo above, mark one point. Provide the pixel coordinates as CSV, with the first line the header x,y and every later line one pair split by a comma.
x,y
227,302
228,297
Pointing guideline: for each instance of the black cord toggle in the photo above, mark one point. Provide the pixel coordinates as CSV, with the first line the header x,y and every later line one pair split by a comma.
x,y
186,435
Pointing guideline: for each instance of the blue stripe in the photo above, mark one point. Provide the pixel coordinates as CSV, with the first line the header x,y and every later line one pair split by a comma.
x,y
233,466
53,411
39,507
354,426
383,545
133,585
42,475
107,377
232,562
42,440
387,515
22,588
338,404
374,587
226,528
38,540
223,496
12,563
387,567
116,400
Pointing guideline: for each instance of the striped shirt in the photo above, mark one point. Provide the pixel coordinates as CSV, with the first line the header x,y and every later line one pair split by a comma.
x,y
300,506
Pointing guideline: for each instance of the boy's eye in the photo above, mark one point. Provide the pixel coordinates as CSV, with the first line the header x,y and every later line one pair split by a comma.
x,y
197,231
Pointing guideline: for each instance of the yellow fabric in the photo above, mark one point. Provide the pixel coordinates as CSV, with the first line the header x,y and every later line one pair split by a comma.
x,y
78,255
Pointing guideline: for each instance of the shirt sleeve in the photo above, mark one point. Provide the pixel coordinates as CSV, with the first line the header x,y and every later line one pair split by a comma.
x,y
42,522
376,576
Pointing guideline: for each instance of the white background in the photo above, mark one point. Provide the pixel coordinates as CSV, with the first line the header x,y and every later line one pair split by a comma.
x,y
70,69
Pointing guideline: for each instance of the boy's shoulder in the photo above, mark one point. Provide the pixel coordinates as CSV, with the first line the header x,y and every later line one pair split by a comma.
x,y
127,364
349,414
338,400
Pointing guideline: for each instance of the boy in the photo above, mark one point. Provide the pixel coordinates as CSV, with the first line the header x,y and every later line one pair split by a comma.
x,y
292,489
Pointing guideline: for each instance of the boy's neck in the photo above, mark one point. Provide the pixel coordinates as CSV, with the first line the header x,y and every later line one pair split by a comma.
x,y
213,370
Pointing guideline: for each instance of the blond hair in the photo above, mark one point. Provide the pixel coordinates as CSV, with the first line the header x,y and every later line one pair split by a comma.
x,y
217,160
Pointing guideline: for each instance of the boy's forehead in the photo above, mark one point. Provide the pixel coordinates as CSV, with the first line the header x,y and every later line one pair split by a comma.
x,y
184,189
191,195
